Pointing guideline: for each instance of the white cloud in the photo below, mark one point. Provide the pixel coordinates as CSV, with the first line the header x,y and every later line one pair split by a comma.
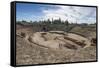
x,y
72,13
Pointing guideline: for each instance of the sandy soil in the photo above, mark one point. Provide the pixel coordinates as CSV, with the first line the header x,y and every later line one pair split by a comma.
x,y
52,47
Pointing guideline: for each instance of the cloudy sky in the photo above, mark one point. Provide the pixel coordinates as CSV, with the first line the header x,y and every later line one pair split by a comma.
x,y
36,12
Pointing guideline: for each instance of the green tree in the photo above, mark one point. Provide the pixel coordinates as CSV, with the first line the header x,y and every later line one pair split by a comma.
x,y
67,25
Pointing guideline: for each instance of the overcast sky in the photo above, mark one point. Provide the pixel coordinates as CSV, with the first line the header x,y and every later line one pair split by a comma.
x,y
36,12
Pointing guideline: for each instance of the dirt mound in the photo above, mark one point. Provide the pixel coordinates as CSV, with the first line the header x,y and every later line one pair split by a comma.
x,y
52,47
58,40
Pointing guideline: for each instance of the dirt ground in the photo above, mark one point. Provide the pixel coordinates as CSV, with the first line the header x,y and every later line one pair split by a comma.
x,y
52,47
